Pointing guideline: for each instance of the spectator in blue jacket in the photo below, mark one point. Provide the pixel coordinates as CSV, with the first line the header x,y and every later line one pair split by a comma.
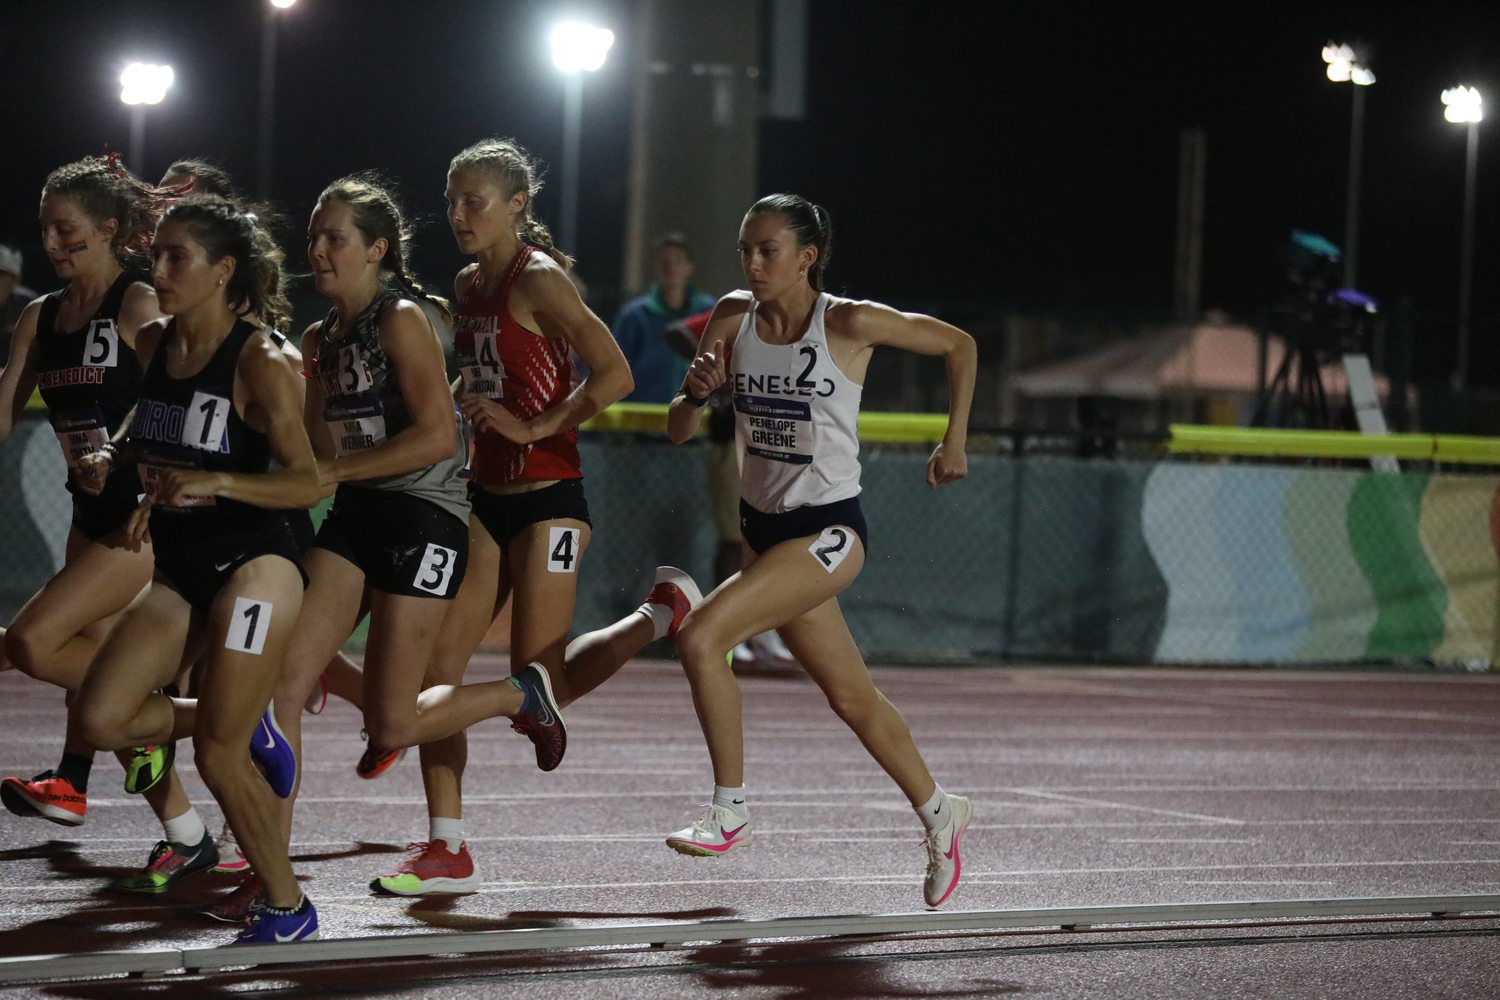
x,y
641,326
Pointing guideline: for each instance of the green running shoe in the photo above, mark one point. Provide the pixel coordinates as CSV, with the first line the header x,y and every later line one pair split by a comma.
x,y
148,766
170,863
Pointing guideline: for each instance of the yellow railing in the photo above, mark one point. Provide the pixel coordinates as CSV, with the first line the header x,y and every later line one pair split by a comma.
x,y
883,427
1206,440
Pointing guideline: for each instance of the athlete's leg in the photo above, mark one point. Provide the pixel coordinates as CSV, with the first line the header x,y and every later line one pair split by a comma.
x,y
543,595
480,597
771,591
237,687
821,641
57,633
345,679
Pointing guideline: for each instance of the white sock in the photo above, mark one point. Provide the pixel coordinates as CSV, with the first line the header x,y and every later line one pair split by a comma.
x,y
185,829
934,811
660,615
732,799
449,831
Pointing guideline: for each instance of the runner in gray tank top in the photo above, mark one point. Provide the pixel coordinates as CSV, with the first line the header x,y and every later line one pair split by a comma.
x,y
796,357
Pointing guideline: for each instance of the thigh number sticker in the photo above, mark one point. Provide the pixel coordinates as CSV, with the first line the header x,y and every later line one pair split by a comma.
x,y
831,547
248,625
562,550
436,569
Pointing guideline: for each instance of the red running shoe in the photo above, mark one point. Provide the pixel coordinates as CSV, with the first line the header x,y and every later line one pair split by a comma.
x,y
47,796
433,868
540,719
235,908
675,589
375,763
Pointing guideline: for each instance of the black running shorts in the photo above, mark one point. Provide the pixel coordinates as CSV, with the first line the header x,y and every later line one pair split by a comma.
x,y
405,545
300,521
504,515
197,565
761,531
97,516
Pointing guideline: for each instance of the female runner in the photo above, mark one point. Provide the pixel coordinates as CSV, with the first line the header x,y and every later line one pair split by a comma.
x,y
796,357
518,317
96,224
218,402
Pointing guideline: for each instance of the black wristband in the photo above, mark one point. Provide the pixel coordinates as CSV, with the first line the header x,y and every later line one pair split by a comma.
x,y
693,400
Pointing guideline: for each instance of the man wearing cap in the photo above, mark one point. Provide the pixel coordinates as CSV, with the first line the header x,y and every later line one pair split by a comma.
x,y
13,297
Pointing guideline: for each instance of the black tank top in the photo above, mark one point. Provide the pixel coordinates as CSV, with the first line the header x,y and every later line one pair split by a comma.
x,y
89,379
191,423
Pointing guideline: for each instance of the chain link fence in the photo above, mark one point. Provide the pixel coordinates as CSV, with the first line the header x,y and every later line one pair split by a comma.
x,y
1034,555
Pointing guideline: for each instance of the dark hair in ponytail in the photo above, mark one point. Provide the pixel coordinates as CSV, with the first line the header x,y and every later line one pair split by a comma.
x,y
378,215
205,178
105,190
257,287
811,224
512,169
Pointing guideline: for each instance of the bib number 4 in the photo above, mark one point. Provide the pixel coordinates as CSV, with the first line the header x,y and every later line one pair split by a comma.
x,y
831,547
562,550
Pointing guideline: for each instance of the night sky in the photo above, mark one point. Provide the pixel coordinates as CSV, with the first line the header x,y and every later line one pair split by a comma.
x,y
1023,155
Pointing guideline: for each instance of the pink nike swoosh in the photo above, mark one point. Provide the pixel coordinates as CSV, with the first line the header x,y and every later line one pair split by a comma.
x,y
726,834
949,853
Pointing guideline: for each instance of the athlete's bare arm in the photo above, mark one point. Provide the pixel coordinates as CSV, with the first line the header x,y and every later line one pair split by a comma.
x,y
856,328
545,301
137,308
710,369
18,379
409,341
312,402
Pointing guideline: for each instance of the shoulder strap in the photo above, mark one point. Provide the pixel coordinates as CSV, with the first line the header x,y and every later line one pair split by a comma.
x,y
114,299
523,257
46,321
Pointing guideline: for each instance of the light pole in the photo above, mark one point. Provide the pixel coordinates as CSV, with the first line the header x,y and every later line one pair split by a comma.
x,y
142,84
1344,67
267,96
1465,106
576,49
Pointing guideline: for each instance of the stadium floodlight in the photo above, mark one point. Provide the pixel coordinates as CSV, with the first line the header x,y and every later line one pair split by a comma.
x,y
283,4
580,46
1344,66
1463,105
145,83
576,48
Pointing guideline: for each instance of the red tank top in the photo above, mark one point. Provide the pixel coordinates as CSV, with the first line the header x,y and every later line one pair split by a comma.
x,y
526,373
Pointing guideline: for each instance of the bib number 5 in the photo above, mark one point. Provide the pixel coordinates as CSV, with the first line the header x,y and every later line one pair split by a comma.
x,y
831,547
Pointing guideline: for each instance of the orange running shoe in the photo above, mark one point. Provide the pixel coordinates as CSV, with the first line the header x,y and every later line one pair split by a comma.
x,y
46,796
432,868
374,763
235,908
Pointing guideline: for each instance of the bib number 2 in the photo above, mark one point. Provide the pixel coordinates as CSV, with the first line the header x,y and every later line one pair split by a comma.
x,y
831,547
562,550
248,626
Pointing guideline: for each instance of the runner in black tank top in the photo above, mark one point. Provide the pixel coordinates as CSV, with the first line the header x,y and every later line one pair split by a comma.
x,y
78,347
219,403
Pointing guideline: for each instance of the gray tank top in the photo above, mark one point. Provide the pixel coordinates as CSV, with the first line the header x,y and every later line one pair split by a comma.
x,y
363,405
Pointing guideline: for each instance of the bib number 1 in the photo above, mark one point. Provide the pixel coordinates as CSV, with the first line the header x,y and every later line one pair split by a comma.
x,y
248,626
562,550
831,547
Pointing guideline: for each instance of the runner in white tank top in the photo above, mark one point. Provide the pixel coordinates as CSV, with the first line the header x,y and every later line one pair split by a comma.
x,y
796,357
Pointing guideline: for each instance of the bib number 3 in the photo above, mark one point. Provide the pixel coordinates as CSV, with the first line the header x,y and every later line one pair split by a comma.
x,y
831,547
562,550
436,569
248,626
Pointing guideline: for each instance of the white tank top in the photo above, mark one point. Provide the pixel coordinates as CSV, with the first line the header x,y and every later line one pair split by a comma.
x,y
796,419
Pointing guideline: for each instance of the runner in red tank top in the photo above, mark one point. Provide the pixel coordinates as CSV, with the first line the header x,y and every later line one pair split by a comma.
x,y
518,317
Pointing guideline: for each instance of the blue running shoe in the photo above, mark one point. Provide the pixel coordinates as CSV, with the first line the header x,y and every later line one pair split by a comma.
x,y
270,926
273,754
539,719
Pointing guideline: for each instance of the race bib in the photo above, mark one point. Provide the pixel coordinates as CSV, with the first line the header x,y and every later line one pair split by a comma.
x,y
206,422
776,429
436,569
101,346
80,433
832,546
562,550
483,374
355,425
248,626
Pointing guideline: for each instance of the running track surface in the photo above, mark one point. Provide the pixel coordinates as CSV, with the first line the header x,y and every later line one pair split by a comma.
x,y
1091,786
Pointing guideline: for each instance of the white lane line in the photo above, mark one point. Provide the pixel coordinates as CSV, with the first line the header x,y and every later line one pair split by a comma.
x,y
1245,881
1181,840
1120,805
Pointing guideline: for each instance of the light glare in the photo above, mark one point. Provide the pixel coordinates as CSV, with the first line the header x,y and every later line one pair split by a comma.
x,y
283,4
1343,65
1339,71
1463,105
145,83
1361,76
580,46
